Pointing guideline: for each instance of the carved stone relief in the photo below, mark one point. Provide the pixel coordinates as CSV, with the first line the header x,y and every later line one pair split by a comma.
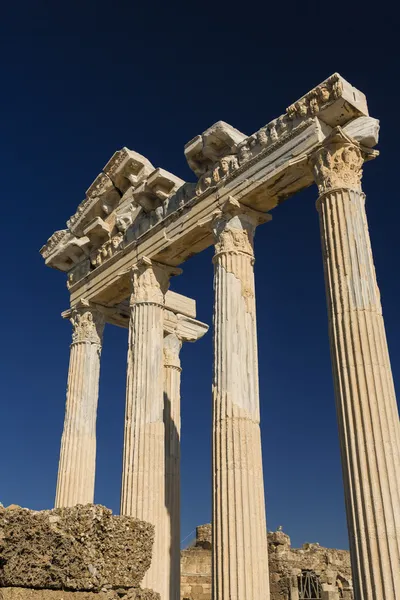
x,y
87,323
338,163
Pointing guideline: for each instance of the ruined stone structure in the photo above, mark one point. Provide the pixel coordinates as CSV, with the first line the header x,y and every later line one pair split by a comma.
x,y
295,573
79,553
134,228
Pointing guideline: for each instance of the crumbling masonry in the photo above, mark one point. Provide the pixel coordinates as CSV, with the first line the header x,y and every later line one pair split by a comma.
x,y
307,572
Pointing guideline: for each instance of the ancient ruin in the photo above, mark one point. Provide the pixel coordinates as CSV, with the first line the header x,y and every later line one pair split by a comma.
x,y
79,553
295,573
129,235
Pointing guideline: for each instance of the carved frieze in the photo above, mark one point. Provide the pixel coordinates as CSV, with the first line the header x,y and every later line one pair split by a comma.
x,y
313,102
106,250
125,218
130,196
205,160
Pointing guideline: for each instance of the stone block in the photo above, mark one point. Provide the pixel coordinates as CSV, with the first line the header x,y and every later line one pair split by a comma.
x,y
204,536
82,548
278,538
17,593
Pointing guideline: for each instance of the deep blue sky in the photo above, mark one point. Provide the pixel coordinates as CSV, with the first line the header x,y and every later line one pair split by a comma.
x,y
79,83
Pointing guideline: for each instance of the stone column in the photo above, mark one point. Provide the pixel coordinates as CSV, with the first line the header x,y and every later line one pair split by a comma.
x,y
172,421
365,398
240,548
143,477
76,471
178,328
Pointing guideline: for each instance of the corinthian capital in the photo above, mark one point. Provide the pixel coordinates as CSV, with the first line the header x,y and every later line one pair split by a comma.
x,y
234,227
172,348
150,281
338,163
87,323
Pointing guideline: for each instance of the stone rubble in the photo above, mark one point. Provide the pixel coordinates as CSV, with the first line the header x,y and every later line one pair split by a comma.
x,y
84,548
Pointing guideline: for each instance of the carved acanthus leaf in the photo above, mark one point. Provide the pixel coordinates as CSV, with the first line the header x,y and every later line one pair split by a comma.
x,y
233,234
87,323
150,281
171,349
338,163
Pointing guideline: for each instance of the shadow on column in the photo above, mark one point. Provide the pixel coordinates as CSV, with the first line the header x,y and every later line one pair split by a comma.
x,y
172,495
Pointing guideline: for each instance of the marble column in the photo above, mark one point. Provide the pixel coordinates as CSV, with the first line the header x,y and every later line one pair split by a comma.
x,y
172,421
240,549
76,471
178,328
143,477
365,398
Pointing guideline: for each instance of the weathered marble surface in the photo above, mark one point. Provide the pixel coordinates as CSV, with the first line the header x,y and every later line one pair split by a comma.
x,y
151,484
184,329
365,397
240,551
76,471
143,476
133,208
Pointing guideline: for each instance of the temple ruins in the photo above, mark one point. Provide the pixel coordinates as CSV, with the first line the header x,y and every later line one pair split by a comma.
x,y
311,572
136,225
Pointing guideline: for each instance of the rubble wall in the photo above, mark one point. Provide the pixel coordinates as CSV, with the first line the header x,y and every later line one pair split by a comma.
x,y
331,567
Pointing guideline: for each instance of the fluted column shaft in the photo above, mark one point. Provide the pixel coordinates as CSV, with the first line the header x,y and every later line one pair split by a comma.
x,y
240,550
143,478
76,471
365,398
172,421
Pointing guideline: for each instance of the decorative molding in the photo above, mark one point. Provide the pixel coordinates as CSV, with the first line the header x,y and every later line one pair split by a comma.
x,y
152,198
53,241
116,161
100,186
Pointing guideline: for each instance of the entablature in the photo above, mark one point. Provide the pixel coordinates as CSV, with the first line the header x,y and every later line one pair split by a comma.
x,y
162,217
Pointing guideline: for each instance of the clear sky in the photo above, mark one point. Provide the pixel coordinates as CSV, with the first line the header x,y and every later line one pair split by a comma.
x,y
80,82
